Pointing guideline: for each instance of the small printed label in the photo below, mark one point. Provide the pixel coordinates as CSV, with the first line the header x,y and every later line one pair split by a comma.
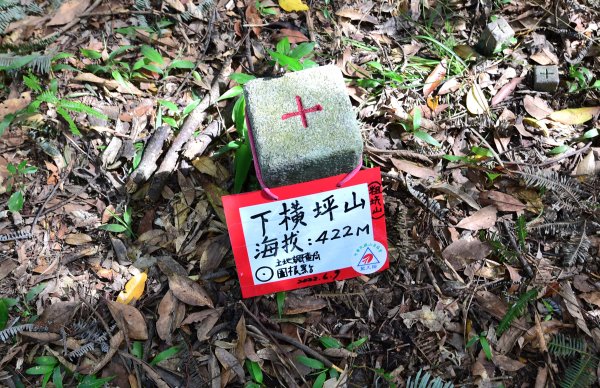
x,y
369,257
306,237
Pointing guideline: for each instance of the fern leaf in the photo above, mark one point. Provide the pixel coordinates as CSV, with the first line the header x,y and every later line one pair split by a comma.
x,y
556,228
20,235
563,186
76,106
564,346
423,381
581,373
48,97
33,83
515,310
14,330
65,115
429,203
10,15
31,46
81,351
577,251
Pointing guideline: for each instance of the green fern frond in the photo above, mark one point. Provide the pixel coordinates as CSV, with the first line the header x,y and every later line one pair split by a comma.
x,y
28,47
564,346
515,310
48,97
9,15
37,62
581,373
76,106
423,381
67,117
5,4
32,83
563,186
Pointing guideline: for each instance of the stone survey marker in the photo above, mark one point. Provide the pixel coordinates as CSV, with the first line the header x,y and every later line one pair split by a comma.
x,y
545,78
494,35
302,126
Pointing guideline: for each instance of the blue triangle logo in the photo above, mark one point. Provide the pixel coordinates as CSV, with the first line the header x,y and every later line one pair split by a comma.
x,y
368,258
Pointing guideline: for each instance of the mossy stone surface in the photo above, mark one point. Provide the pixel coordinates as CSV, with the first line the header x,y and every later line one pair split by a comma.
x,y
288,152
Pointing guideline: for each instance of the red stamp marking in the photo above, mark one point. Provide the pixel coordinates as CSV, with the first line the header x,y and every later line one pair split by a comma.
x,y
302,112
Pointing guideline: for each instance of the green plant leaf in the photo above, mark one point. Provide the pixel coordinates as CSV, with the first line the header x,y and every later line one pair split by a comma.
x,y
255,371
331,343
302,50
280,297
191,106
472,341
559,149
233,92
91,54
137,349
119,51
3,313
32,83
57,378
171,122
311,362
181,64
46,360
417,119
115,228
165,354
590,134
320,380
138,64
34,291
29,170
238,115
356,344
241,78
427,138
169,105
285,61
151,54
153,68
15,202
243,160
485,345
283,46
6,121
40,370
94,382
480,151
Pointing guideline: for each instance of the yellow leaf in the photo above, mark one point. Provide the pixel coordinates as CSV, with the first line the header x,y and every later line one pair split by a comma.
x,y
133,289
293,5
575,116
476,102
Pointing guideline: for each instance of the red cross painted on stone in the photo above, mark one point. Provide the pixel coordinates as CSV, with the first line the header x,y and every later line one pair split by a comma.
x,y
302,112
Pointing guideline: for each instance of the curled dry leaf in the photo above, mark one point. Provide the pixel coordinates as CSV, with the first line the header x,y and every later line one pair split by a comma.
x,y
433,320
481,219
476,101
449,86
252,16
229,362
587,166
170,315
503,202
536,107
413,169
506,90
435,78
206,320
575,116
188,291
130,316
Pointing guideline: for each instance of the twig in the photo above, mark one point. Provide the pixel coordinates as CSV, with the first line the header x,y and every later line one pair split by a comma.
x,y
478,135
514,245
192,122
198,145
148,163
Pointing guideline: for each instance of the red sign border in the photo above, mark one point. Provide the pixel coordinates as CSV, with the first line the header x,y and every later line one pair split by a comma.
x,y
232,204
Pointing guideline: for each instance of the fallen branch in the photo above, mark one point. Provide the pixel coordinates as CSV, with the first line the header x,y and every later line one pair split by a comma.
x,y
148,163
197,146
192,122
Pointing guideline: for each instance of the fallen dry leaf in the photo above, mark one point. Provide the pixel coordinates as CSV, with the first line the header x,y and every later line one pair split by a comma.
x,y
536,107
206,320
476,101
252,16
413,169
294,36
296,305
433,320
503,202
462,252
506,363
229,362
188,291
13,105
481,219
134,289
68,11
170,315
435,78
592,298
77,238
293,5
354,14
587,166
506,90
449,86
134,320
575,116
573,307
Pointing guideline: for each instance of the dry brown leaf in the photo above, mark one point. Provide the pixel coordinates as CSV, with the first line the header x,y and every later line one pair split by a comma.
x,y
537,107
176,4
449,86
503,202
92,78
294,36
592,297
435,78
506,363
462,252
214,194
456,192
573,307
131,317
12,105
476,101
575,116
587,166
188,291
506,90
481,219
433,320
253,17
229,362
68,11
77,239
299,305
413,169
240,329
170,315
206,319
58,314
354,14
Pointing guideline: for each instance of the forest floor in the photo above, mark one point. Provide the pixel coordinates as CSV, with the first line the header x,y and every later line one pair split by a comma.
x,y
122,126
